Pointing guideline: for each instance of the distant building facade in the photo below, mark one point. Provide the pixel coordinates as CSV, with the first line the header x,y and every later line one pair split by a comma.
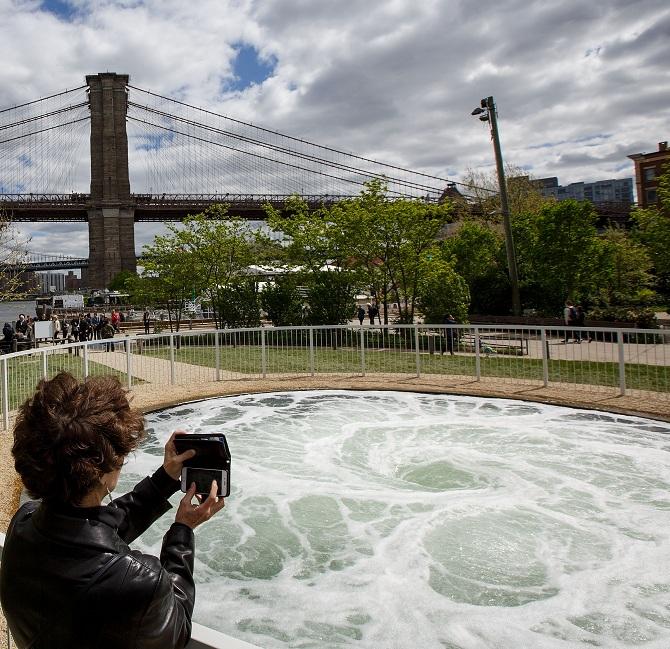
x,y
52,282
601,191
72,282
648,168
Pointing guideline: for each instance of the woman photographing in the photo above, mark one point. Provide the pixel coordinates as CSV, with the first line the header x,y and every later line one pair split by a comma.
x,y
68,578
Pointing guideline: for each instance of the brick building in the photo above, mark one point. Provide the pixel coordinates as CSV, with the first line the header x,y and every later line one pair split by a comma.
x,y
648,167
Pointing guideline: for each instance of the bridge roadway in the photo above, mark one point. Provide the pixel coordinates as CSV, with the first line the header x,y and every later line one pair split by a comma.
x,y
148,207
176,207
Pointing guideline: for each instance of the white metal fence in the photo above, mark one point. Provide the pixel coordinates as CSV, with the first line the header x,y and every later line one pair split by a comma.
x,y
604,360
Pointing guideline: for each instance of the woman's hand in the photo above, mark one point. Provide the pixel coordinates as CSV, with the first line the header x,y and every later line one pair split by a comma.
x,y
193,515
172,462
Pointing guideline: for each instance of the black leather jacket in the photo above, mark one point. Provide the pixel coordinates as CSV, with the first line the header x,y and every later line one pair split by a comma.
x,y
68,579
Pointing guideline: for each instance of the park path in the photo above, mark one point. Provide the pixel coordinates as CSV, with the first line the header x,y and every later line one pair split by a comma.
x,y
151,369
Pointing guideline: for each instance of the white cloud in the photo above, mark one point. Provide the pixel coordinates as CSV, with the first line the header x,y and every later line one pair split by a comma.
x,y
389,79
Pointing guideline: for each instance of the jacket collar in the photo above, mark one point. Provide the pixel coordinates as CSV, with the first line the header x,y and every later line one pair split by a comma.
x,y
91,526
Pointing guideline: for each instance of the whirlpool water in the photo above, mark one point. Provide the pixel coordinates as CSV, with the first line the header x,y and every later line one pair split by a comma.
x,y
379,520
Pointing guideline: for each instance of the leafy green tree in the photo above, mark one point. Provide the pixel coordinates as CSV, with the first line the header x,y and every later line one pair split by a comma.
x,y
121,281
238,303
167,280
442,291
624,276
478,252
330,297
652,228
377,241
219,250
557,253
283,302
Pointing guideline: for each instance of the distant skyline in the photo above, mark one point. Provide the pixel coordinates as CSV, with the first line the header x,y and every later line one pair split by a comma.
x,y
579,86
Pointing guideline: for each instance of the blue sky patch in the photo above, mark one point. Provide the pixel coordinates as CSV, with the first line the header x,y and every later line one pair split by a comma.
x,y
154,141
249,68
61,8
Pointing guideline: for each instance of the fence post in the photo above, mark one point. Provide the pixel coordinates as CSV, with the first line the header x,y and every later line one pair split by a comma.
x,y
264,360
172,368
545,357
478,356
85,360
362,351
416,347
217,354
5,394
311,350
45,366
129,364
622,363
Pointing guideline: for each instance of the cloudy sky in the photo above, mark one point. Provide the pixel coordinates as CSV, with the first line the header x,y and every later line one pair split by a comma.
x,y
579,85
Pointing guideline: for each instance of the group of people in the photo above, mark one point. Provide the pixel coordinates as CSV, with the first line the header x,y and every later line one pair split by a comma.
x,y
79,327
19,333
372,313
82,327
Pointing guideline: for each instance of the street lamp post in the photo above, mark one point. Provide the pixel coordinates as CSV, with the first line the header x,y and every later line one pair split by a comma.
x,y
487,113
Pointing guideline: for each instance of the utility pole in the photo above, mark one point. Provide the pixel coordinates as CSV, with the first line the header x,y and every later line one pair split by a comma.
x,y
488,114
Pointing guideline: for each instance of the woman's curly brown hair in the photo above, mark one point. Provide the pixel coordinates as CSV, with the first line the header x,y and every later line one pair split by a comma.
x,y
70,433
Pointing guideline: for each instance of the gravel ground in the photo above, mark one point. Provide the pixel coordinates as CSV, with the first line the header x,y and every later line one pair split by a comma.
x,y
150,397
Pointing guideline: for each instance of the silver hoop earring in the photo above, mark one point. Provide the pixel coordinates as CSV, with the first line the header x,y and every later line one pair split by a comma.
x,y
109,495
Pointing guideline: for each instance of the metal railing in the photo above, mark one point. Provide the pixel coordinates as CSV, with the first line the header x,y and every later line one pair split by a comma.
x,y
602,360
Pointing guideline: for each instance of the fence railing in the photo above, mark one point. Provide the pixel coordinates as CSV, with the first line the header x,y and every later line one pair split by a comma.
x,y
614,361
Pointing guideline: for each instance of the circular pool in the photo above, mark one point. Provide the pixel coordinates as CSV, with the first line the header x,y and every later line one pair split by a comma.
x,y
395,519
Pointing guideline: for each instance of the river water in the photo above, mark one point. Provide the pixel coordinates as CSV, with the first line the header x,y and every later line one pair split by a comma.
x,y
9,311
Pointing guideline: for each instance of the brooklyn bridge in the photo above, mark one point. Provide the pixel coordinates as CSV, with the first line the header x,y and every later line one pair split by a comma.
x,y
181,159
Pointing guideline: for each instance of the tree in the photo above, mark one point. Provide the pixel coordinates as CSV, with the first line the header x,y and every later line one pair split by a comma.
x,y
320,243
238,303
652,229
219,249
121,281
389,240
12,258
624,276
330,296
283,302
478,252
483,202
557,254
442,291
168,280
208,254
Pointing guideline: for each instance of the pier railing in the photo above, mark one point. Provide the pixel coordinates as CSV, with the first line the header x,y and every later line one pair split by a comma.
x,y
602,360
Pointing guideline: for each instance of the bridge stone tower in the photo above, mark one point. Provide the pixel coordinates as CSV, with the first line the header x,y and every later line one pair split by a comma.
x,y
111,227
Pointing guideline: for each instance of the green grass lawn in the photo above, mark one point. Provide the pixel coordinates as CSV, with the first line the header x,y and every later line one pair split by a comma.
x,y
25,372
246,359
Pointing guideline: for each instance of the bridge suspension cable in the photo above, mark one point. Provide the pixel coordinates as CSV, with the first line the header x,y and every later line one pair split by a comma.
x,y
44,145
430,190
187,149
295,139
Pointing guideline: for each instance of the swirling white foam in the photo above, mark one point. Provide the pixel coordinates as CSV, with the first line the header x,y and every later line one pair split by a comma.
x,y
388,519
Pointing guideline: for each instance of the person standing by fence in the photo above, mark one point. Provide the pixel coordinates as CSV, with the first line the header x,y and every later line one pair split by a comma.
x,y
449,332
569,318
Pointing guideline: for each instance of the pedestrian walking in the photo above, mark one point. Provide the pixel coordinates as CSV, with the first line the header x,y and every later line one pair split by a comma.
x,y
360,312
